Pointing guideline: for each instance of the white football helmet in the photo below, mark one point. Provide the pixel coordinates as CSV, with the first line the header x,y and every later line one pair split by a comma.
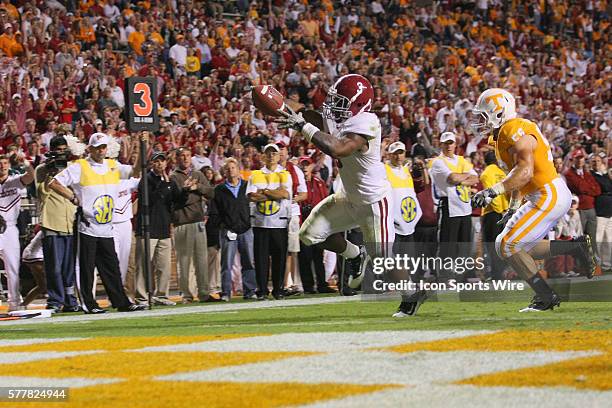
x,y
494,107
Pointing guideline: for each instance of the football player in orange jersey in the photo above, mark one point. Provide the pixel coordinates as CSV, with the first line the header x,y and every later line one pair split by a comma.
x,y
539,197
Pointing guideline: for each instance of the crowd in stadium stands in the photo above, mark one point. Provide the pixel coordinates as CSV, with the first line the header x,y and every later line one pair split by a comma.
x,y
63,65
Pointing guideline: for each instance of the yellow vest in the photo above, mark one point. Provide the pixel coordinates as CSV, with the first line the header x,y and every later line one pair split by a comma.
x,y
98,194
406,208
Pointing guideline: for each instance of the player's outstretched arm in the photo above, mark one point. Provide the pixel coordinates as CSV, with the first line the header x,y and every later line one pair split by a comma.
x,y
335,147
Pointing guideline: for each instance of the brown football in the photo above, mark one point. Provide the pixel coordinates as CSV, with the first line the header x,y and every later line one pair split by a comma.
x,y
268,100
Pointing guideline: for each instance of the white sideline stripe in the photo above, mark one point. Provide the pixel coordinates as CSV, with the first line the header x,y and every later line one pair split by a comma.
x,y
27,342
318,342
377,367
26,356
164,312
450,396
72,382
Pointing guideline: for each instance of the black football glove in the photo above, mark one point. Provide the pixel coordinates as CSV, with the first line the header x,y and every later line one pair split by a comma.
x,y
2,225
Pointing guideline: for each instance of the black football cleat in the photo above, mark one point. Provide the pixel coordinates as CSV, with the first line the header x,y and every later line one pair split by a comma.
x,y
357,268
410,306
539,303
587,255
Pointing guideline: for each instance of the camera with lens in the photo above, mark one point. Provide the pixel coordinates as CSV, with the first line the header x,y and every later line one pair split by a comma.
x,y
56,161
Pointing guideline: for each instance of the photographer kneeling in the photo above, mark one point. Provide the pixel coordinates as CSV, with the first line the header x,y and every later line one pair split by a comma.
x,y
56,220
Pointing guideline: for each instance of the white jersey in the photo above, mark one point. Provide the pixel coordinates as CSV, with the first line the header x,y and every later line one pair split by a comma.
x,y
96,186
123,203
363,174
10,198
458,195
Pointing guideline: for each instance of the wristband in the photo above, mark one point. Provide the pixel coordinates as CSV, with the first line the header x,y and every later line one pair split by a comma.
x,y
498,189
309,131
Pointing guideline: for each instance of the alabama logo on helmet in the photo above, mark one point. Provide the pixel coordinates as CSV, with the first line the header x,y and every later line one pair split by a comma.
x,y
351,95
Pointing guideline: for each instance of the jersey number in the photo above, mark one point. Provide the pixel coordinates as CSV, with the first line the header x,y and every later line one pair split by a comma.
x,y
145,107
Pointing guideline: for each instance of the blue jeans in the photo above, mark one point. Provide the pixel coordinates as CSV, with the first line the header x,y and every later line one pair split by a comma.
x,y
59,270
244,245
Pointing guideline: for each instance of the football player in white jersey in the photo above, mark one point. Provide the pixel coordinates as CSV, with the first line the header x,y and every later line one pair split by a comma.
x,y
351,134
10,204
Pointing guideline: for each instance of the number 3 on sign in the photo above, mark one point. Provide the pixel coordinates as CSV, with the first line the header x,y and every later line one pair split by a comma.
x,y
145,107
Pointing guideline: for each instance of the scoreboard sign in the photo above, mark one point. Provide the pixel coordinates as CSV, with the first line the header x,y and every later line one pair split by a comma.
x,y
141,104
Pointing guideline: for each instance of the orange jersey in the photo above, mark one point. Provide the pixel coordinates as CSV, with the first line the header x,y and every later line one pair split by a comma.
x,y
543,168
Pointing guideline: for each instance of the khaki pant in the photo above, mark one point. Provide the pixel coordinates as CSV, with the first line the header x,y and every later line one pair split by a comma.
x,y
190,241
214,269
604,241
160,255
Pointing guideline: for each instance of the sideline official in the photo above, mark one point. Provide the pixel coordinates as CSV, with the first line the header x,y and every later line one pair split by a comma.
x,y
93,184
269,190
452,177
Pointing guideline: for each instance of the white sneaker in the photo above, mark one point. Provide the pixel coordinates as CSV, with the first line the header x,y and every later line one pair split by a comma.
x,y
400,315
15,307
163,301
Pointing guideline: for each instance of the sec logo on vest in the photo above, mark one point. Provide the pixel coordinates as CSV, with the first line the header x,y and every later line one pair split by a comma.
x,y
269,207
408,209
103,207
464,193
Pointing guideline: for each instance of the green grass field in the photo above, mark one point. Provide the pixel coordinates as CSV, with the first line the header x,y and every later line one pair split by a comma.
x,y
349,316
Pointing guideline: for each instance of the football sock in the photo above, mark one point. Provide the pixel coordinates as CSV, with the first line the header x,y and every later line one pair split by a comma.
x,y
351,251
539,285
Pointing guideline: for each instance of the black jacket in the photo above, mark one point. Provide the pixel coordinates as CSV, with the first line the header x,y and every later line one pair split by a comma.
x,y
234,213
603,202
162,196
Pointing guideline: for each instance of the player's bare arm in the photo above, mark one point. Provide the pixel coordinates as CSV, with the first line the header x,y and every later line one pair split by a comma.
x,y
338,148
333,146
522,172
519,176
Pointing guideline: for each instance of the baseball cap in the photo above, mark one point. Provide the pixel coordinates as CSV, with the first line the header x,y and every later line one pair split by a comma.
x,y
98,122
305,159
394,147
158,156
447,136
15,96
575,199
271,145
98,139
